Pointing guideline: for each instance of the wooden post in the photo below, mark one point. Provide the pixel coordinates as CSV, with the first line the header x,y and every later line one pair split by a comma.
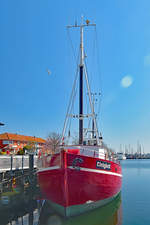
x,y
31,218
22,164
11,163
31,162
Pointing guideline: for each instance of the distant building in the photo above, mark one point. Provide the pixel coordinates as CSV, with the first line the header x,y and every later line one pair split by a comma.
x,y
14,142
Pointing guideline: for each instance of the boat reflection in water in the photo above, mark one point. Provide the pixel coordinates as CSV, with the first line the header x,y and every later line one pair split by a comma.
x,y
110,214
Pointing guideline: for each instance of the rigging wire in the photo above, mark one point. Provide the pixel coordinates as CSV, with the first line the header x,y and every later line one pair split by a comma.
x,y
90,76
73,92
99,73
95,52
86,93
72,47
73,99
68,109
91,103
88,112
93,72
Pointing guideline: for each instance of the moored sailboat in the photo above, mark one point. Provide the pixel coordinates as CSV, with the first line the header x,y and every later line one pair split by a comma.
x,y
81,177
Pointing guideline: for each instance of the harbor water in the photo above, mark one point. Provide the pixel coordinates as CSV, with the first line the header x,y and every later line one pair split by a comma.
x,y
130,207
136,192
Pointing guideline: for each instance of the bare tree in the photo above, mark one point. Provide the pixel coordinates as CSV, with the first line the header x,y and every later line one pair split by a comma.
x,y
52,142
75,139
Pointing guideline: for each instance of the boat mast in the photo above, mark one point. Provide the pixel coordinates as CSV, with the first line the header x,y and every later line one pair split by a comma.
x,y
81,85
83,70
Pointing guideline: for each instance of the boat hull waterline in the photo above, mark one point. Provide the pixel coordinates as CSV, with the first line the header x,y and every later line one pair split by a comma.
x,y
74,183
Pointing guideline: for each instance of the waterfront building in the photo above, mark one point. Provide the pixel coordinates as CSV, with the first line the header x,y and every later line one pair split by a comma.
x,y
14,142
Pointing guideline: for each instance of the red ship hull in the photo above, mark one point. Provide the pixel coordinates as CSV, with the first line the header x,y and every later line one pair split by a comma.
x,y
75,183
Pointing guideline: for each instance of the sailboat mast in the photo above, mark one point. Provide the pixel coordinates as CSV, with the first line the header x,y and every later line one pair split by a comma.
x,y
81,86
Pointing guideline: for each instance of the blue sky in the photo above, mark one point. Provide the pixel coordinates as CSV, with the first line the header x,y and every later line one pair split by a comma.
x,y
34,38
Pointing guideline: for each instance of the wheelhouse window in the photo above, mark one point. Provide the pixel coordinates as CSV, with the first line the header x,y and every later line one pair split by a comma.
x,y
6,142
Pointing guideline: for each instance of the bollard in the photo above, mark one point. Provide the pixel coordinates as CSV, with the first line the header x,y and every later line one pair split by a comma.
x,y
30,221
1,188
31,162
22,164
11,171
11,163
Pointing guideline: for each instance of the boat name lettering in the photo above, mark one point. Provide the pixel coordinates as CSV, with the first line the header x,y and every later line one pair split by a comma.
x,y
103,165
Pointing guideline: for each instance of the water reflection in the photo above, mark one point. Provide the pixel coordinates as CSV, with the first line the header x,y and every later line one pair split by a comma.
x,y
34,212
20,204
110,214
18,198
24,208
20,214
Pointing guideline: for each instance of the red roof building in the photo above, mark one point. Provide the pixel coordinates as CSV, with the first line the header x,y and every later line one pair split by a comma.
x,y
14,142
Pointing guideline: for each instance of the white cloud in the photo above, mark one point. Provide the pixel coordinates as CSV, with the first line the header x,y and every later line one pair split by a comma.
x,y
126,81
147,60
